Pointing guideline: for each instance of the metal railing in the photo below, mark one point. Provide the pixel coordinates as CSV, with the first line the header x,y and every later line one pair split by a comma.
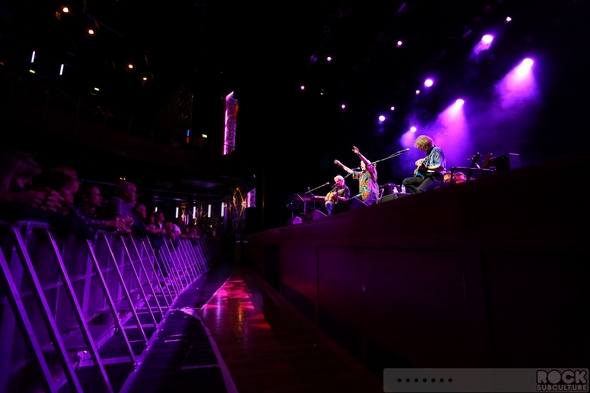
x,y
63,298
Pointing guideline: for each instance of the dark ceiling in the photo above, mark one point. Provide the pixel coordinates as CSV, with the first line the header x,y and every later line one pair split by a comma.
x,y
264,52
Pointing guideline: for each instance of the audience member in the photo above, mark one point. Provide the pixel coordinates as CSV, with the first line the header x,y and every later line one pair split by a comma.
x,y
17,170
121,204
86,202
66,218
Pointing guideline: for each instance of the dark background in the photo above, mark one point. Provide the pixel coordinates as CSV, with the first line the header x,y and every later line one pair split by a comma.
x,y
287,138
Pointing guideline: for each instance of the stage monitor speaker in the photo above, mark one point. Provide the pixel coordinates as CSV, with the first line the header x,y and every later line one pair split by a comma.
x,y
294,220
391,197
314,215
351,204
506,162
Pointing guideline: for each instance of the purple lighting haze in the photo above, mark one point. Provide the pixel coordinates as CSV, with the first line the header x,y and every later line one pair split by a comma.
x,y
428,82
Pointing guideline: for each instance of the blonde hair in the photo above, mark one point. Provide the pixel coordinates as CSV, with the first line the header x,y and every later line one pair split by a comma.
x,y
424,142
338,178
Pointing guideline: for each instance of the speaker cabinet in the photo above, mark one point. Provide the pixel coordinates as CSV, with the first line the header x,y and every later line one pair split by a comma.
x,y
391,197
314,215
294,220
506,162
351,204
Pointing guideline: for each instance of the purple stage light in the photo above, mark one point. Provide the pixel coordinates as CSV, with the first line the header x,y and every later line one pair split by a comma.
x,y
487,39
413,129
508,19
392,108
527,63
460,102
343,106
381,118
329,59
399,43
428,82
302,87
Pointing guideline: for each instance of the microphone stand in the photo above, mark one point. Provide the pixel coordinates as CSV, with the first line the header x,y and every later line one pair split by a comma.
x,y
396,154
309,192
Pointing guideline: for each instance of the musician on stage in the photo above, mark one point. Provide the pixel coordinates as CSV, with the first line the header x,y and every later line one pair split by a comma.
x,y
367,177
340,192
429,170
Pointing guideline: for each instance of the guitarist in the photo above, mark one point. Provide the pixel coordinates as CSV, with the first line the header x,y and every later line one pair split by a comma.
x,y
429,170
340,192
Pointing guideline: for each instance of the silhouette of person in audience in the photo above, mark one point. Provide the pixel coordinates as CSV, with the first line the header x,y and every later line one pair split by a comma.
x,y
17,170
122,203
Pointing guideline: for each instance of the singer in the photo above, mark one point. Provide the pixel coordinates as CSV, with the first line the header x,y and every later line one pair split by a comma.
x,y
340,192
367,177
429,170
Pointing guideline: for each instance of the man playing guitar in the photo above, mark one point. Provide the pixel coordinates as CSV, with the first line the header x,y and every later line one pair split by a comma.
x,y
340,192
429,170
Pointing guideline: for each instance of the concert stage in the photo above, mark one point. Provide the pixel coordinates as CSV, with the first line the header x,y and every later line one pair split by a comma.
x,y
488,273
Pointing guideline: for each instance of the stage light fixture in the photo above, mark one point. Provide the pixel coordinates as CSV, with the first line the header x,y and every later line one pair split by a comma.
x,y
413,129
487,39
90,31
329,59
65,10
381,118
428,82
459,102
343,106
130,66
508,19
144,78
417,92
302,87
527,63
399,43
392,108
